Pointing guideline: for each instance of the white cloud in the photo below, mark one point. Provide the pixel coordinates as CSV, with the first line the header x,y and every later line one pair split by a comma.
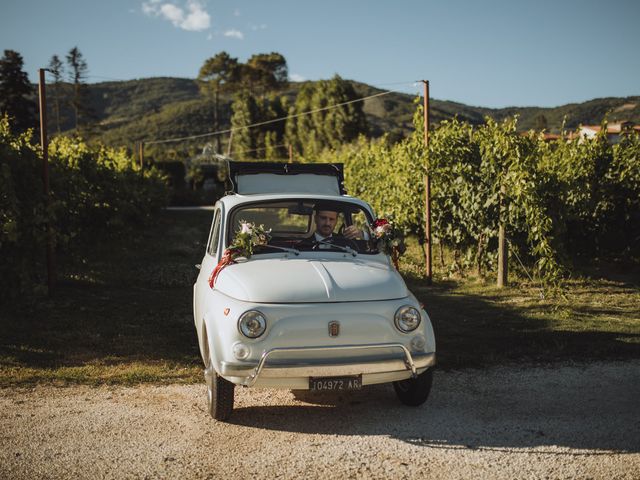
x,y
236,12
294,77
234,34
172,13
194,18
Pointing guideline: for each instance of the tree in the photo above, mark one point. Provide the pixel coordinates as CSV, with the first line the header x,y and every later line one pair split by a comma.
x,y
245,112
267,71
272,135
78,74
218,73
56,68
14,91
342,124
300,132
330,126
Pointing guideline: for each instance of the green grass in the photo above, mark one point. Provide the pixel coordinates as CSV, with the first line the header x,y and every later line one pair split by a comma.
x,y
123,315
477,323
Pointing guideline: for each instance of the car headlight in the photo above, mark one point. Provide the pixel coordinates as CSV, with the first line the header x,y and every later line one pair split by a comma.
x,y
252,324
407,318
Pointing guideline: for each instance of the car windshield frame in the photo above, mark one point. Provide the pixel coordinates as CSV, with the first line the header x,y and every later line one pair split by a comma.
x,y
304,241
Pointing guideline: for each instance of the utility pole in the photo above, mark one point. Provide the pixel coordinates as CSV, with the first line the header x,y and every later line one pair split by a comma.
x,y
44,143
230,142
427,189
141,156
503,249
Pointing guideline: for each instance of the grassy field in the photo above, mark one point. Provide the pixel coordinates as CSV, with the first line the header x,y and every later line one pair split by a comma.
x,y
124,315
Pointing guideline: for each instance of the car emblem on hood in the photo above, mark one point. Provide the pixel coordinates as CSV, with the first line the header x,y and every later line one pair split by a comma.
x,y
334,329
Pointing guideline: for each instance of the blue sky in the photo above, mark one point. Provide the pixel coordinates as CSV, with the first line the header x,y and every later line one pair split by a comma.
x,y
492,53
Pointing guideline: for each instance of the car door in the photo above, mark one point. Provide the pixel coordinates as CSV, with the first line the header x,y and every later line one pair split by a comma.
x,y
209,261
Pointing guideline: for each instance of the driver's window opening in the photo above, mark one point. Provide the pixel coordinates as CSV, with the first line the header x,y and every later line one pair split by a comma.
x,y
293,224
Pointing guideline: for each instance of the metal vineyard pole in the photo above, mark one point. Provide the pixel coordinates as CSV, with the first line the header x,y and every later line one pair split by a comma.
x,y
427,189
141,156
503,252
51,274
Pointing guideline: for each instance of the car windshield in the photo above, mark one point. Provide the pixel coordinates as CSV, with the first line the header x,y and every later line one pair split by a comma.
x,y
308,225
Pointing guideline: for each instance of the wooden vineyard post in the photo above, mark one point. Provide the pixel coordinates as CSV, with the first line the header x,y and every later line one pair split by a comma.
x,y
503,252
44,143
427,190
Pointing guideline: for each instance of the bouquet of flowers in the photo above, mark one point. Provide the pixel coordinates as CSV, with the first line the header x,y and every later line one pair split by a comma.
x,y
243,244
389,239
248,237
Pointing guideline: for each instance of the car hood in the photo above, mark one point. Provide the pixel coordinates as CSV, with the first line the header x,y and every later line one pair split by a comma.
x,y
299,280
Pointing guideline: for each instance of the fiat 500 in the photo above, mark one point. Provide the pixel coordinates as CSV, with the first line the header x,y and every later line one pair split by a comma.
x,y
295,291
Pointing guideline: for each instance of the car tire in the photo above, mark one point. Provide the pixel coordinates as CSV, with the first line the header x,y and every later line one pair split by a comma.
x,y
414,391
220,392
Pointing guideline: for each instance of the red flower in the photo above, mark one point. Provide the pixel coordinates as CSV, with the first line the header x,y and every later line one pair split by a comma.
x,y
380,222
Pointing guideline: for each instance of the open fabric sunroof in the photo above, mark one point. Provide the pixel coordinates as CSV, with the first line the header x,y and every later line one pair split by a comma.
x,y
273,177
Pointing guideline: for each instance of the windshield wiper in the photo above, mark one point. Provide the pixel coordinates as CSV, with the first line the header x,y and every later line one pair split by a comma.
x,y
341,247
284,249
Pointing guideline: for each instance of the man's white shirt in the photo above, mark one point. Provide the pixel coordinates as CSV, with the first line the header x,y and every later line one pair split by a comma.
x,y
320,238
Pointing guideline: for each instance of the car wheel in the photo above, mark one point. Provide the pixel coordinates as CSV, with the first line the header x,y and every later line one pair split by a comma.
x,y
414,391
219,392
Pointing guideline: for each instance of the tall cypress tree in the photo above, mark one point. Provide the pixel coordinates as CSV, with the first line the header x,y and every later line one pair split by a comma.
x,y
245,112
300,131
78,70
14,91
218,74
56,67
330,128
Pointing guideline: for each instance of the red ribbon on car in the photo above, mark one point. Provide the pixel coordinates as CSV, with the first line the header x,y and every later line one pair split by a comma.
x,y
228,258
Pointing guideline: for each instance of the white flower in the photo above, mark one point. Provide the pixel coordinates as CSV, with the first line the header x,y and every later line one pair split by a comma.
x,y
246,227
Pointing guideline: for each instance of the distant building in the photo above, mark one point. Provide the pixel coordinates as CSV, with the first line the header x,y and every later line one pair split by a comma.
x,y
614,130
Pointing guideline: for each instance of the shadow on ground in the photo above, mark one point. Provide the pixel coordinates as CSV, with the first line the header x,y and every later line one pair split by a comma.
x,y
579,407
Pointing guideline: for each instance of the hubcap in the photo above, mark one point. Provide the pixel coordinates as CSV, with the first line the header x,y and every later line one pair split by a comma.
x,y
208,377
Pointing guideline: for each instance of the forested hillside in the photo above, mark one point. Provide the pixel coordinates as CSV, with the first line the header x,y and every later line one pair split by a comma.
x,y
156,108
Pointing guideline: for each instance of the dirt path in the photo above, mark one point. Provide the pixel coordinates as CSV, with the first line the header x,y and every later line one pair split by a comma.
x,y
571,421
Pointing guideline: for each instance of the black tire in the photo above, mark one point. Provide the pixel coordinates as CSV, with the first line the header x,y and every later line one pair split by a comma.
x,y
414,391
220,392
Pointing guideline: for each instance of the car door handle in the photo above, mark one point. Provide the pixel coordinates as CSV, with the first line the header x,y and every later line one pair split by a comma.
x,y
198,266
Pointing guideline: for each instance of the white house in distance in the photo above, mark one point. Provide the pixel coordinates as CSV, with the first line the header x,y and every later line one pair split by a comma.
x,y
614,130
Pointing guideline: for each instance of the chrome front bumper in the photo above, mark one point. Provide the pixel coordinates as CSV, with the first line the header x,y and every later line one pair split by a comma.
x,y
406,361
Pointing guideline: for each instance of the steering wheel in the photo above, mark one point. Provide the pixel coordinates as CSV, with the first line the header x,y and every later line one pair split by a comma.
x,y
349,241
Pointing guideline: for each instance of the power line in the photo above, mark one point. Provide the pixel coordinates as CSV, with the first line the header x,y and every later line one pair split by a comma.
x,y
260,149
267,122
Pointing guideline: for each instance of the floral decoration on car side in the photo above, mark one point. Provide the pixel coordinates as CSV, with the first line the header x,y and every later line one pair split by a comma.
x,y
389,239
246,239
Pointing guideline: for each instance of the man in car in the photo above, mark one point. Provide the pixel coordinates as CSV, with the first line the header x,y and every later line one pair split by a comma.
x,y
325,219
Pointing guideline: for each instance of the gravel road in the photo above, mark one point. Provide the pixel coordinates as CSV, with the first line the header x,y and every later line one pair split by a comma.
x,y
568,421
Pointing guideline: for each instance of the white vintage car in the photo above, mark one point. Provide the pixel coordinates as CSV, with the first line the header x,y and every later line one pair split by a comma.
x,y
301,313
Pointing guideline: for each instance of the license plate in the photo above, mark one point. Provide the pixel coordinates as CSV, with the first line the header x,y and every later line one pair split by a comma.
x,y
335,383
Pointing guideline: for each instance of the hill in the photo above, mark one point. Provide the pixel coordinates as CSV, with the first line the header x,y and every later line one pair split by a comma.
x,y
148,109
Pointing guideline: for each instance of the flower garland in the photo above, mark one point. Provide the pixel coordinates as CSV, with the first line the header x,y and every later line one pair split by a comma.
x,y
246,239
389,239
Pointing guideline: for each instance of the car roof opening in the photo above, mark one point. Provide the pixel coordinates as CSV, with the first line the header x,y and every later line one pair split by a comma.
x,y
249,178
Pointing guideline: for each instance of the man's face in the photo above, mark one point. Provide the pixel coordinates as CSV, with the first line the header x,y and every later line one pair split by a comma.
x,y
325,222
